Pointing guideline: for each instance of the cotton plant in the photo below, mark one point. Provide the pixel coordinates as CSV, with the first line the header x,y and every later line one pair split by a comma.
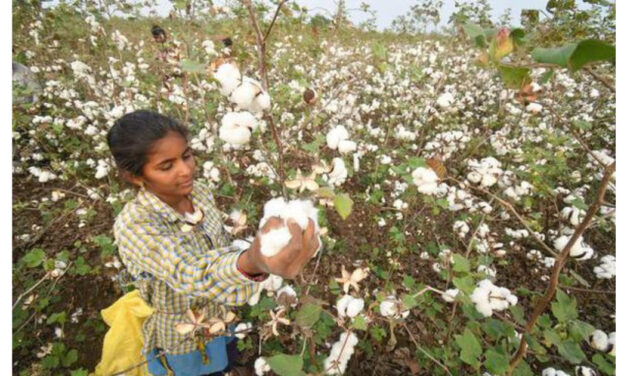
x,y
391,307
489,298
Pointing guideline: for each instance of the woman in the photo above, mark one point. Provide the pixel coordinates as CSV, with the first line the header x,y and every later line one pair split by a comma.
x,y
171,240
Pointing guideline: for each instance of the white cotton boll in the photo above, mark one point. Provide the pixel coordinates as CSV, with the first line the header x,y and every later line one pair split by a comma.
x,y
274,241
338,175
355,307
336,135
273,208
425,179
272,283
342,304
244,94
599,340
234,134
573,215
229,78
301,211
611,340
341,353
388,307
607,268
534,107
261,366
289,291
474,177
260,103
449,295
488,180
553,372
243,328
584,371
445,100
347,146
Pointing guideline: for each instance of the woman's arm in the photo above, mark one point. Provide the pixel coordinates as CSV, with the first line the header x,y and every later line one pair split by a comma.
x,y
213,275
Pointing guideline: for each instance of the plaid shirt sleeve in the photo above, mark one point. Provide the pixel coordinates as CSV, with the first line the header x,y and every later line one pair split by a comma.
x,y
186,264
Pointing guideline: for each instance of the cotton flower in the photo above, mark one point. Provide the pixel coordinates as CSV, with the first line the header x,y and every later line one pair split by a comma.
x,y
489,298
229,77
580,251
336,135
341,352
237,127
426,179
348,306
607,268
261,366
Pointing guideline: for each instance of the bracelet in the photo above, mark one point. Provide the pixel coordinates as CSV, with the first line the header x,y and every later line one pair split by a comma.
x,y
254,277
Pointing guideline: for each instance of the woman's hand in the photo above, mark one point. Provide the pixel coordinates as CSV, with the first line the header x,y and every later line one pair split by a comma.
x,y
289,262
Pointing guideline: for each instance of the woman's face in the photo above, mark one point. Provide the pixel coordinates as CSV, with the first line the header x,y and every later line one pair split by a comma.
x,y
170,166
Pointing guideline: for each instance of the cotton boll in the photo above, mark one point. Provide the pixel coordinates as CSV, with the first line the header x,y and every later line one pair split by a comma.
x,y
584,371
445,100
229,78
355,307
449,295
243,329
607,268
599,340
336,135
534,108
553,372
261,366
341,352
273,208
244,94
346,146
474,177
611,340
260,103
338,175
426,180
573,215
300,211
342,304
234,134
274,241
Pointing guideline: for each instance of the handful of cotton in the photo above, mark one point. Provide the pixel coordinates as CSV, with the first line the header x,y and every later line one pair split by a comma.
x,y
299,211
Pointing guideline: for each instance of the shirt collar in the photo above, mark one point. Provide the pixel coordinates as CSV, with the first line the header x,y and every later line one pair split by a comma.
x,y
154,203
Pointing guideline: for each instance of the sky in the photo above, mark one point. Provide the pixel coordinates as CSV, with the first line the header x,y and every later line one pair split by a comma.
x,y
388,10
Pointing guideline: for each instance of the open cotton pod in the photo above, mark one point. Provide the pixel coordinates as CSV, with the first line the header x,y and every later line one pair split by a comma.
x,y
229,77
250,96
237,127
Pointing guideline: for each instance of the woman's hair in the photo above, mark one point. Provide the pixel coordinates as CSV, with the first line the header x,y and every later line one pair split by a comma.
x,y
132,136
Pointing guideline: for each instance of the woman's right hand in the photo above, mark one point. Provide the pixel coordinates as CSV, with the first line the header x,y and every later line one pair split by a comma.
x,y
289,262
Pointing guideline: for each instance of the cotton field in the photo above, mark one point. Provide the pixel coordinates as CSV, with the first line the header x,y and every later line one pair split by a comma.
x,y
466,225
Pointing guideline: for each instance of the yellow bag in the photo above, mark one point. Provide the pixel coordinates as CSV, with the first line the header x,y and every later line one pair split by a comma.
x,y
123,342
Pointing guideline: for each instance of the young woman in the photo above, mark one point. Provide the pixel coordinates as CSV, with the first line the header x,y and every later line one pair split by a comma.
x,y
171,240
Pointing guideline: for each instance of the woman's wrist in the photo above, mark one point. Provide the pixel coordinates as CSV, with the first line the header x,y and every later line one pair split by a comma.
x,y
245,264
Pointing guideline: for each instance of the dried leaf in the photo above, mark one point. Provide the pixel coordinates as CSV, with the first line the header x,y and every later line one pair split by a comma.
x,y
436,165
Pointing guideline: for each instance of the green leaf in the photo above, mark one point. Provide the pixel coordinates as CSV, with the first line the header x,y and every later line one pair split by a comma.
x,y
50,361
565,308
514,77
570,350
34,257
495,362
343,205
409,282
580,330
464,284
180,4
308,314
470,346
60,317
70,358
460,263
359,323
79,372
192,66
286,365
604,366
409,301
546,76
556,55
476,34
552,338
591,50
523,369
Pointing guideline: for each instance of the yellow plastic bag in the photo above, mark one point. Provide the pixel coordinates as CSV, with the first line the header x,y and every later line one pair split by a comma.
x,y
123,342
